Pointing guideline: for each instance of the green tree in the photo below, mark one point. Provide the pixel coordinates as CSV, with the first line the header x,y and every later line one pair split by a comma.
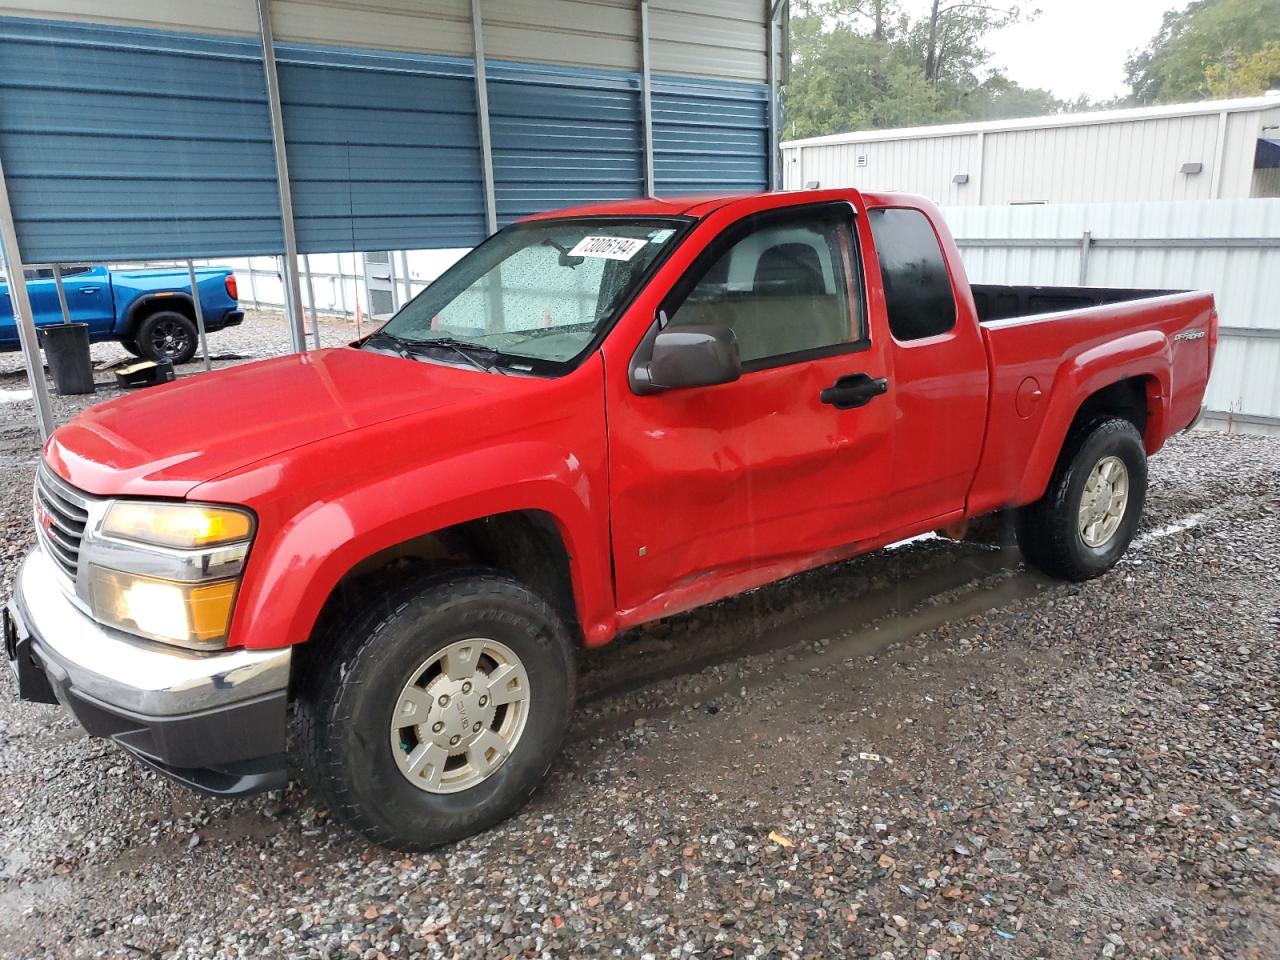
x,y
1247,76
865,64
1204,44
845,80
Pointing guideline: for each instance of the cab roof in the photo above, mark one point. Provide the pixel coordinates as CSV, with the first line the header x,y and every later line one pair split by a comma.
x,y
694,206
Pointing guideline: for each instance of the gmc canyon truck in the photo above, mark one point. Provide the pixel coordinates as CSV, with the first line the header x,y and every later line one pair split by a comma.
x,y
376,560
149,312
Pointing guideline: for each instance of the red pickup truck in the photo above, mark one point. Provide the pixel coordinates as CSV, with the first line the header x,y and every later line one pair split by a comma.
x,y
376,560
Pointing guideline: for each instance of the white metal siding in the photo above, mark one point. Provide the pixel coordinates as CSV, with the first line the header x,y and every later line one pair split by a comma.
x,y
219,16
1060,159
920,166
725,39
595,34
400,25
1245,282
1122,161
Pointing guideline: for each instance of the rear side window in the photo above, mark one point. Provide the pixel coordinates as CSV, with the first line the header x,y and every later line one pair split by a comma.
x,y
917,289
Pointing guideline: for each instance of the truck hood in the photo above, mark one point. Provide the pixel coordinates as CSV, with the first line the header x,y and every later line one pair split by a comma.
x,y
166,440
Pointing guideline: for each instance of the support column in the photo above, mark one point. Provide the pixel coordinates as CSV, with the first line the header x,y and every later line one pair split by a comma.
x,y
1220,157
292,282
22,315
311,299
646,101
195,300
771,51
482,119
62,293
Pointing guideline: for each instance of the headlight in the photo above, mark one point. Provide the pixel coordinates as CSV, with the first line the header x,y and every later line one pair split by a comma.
x,y
182,525
167,571
189,614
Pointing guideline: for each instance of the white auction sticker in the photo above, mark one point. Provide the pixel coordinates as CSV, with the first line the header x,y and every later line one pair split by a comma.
x,y
609,248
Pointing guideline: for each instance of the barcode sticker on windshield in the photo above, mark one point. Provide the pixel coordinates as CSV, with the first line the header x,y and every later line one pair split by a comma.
x,y
609,248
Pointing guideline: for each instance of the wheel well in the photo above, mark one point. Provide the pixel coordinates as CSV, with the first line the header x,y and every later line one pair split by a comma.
x,y
1130,399
178,303
524,544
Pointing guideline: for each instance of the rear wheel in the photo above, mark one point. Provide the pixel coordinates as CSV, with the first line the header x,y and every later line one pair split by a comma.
x,y
436,711
1084,522
166,335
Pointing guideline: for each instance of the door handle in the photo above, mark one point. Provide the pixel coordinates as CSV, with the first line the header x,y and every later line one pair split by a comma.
x,y
853,390
88,289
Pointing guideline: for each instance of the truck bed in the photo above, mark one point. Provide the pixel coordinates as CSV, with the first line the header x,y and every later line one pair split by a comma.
x,y
1006,301
1043,360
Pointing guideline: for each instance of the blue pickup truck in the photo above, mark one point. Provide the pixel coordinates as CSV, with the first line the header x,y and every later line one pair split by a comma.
x,y
149,312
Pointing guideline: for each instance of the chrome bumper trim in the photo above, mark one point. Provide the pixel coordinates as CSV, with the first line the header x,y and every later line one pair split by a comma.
x,y
132,674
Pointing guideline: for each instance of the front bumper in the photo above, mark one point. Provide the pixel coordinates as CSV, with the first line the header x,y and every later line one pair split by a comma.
x,y
214,721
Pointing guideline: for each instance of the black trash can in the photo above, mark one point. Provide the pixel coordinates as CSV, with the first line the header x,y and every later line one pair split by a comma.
x,y
66,348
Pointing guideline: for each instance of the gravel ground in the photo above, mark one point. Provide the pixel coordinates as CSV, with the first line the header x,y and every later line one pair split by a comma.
x,y
928,752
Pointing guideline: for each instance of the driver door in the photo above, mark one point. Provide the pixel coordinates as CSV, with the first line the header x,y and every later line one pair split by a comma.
x,y
717,489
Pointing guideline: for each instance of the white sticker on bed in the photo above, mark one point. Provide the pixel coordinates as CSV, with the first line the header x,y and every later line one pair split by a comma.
x,y
608,248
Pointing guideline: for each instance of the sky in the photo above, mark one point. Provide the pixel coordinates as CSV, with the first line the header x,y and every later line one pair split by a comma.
x,y
1074,46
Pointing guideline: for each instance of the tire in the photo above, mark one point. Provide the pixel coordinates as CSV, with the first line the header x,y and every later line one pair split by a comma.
x,y
1050,532
167,335
363,665
131,346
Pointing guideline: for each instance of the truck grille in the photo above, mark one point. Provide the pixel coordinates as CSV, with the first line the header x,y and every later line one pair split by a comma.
x,y
61,513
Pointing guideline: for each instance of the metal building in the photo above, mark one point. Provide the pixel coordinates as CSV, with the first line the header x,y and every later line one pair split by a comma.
x,y
154,129
1199,151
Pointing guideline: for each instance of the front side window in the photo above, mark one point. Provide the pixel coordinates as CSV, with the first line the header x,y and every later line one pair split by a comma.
x,y
541,291
782,285
917,287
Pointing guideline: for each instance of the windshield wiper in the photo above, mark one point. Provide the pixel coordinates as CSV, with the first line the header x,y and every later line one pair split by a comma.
x,y
396,343
461,348
410,348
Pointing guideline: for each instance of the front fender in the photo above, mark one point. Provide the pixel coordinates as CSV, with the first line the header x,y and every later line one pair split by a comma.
x,y
1145,353
304,550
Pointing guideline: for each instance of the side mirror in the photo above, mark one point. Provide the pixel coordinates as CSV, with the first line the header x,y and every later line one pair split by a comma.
x,y
690,356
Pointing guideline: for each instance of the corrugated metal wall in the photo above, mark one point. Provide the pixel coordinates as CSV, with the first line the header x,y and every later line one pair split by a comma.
x,y
562,137
1090,162
121,143
1129,161
405,26
1245,280
709,136
222,16
699,38
168,131
922,165
709,38
384,150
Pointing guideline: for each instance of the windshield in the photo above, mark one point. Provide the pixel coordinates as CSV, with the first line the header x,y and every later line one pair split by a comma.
x,y
540,291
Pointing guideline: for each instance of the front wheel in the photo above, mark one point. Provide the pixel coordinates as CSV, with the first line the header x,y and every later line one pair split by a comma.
x,y
437,711
1084,522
